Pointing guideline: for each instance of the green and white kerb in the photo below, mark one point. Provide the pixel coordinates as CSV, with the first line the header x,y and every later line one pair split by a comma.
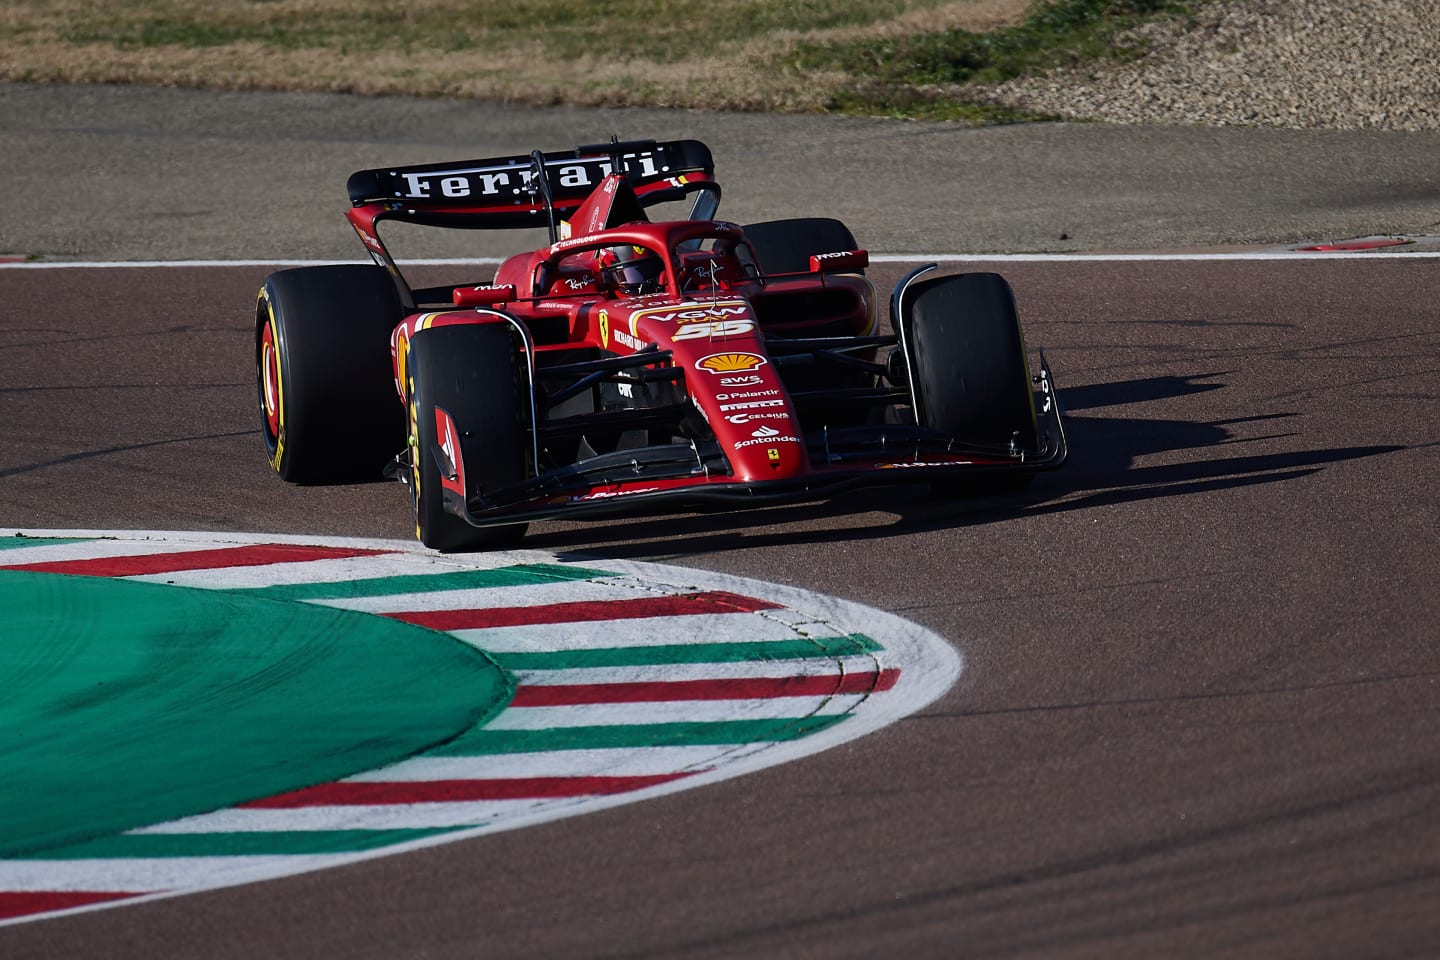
x,y
191,711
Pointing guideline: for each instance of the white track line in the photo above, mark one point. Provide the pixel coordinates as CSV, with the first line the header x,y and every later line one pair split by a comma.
x,y
819,666
332,570
490,598
142,874
102,549
1296,255
378,816
606,762
645,632
676,711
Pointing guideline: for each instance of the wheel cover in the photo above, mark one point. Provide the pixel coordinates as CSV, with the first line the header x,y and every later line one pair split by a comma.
x,y
270,380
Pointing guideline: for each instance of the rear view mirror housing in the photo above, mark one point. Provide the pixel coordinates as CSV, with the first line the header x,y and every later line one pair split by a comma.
x,y
841,261
483,295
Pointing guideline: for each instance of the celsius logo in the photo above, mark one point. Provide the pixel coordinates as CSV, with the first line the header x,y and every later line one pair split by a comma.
x,y
766,432
764,415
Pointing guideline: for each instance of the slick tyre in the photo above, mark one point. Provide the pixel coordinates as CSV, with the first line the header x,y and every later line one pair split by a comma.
x,y
329,412
785,246
968,369
472,374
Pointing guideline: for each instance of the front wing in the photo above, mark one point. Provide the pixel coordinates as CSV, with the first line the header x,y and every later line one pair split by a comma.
x,y
682,476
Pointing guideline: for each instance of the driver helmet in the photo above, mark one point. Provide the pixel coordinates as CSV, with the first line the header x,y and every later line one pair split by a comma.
x,y
631,270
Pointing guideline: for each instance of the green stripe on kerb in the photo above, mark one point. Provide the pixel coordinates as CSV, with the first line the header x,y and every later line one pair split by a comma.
x,y
620,736
125,703
286,842
518,576
14,542
758,652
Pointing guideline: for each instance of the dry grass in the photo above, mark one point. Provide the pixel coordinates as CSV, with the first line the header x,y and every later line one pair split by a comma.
x,y
624,52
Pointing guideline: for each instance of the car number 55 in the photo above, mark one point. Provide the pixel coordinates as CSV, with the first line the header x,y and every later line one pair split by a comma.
x,y
711,330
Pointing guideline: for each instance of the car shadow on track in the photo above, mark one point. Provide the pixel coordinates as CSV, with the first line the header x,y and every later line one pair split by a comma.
x,y
1102,471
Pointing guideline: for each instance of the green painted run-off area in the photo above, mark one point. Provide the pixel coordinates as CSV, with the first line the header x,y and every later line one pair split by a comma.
x,y
124,704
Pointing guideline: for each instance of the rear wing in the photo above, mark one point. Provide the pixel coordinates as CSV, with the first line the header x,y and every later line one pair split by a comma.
x,y
533,190
539,190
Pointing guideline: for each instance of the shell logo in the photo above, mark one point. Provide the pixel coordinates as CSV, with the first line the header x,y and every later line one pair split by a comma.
x,y
730,362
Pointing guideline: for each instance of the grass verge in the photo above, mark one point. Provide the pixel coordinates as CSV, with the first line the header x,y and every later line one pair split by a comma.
x,y
905,58
941,75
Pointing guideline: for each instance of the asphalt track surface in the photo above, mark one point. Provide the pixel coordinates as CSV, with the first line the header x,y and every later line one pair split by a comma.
x,y
1198,716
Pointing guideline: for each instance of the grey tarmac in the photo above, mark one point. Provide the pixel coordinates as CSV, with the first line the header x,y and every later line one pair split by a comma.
x,y
1198,712
135,173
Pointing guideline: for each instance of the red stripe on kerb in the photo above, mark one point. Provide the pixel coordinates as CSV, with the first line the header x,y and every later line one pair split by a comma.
x,y
743,688
589,611
254,556
362,793
24,904
1371,243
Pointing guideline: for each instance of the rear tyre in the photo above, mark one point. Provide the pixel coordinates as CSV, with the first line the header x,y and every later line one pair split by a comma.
x,y
969,372
785,246
472,373
328,408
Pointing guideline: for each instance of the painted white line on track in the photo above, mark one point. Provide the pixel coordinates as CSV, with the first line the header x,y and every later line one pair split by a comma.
x,y
1271,254
210,264
489,598
94,550
837,666
676,711
1290,255
553,763
480,814
310,573
142,874
715,628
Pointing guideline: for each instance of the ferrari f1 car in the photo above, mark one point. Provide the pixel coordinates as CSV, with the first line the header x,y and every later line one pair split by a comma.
x,y
632,363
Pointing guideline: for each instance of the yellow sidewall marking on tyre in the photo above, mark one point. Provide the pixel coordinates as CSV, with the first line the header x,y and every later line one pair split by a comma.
x,y
279,382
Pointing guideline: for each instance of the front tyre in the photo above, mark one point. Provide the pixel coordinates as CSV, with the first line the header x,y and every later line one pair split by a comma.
x,y
328,408
470,372
969,373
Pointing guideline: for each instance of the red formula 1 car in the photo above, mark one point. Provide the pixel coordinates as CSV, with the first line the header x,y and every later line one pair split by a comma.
x,y
632,363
